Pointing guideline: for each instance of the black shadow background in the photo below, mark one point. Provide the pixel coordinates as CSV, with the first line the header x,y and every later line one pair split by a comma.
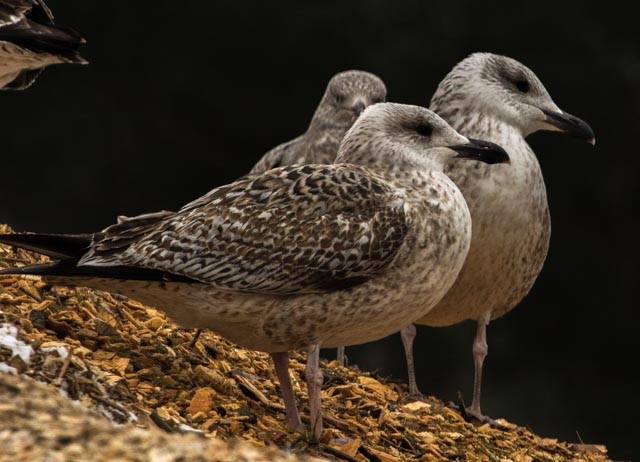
x,y
181,97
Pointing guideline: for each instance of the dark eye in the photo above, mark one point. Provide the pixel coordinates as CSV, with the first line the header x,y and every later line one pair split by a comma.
x,y
424,130
339,98
522,86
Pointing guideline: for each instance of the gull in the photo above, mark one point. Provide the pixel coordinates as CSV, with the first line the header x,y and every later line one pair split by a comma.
x,y
30,41
298,256
498,99
347,95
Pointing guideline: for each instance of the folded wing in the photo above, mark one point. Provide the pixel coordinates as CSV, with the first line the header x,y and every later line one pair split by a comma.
x,y
298,229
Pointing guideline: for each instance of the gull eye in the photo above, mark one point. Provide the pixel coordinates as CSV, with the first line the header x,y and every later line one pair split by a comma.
x,y
424,130
522,86
338,98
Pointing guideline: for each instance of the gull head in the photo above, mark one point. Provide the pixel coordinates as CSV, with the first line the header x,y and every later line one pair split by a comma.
x,y
506,90
349,93
401,135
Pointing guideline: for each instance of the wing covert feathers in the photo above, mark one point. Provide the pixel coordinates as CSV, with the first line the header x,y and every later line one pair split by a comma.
x,y
297,229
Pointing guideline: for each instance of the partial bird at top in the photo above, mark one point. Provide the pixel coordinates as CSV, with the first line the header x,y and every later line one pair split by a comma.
x,y
30,41
347,95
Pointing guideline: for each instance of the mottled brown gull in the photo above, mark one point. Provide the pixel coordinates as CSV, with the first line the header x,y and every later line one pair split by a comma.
x,y
30,41
300,256
347,95
498,99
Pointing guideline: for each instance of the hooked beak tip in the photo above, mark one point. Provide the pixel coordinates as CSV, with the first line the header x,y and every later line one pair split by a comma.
x,y
483,151
570,125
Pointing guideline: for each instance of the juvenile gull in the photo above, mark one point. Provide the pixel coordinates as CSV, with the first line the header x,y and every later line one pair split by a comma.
x,y
498,99
30,41
347,95
298,256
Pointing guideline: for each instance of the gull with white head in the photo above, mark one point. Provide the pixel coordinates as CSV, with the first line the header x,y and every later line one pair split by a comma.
x,y
301,256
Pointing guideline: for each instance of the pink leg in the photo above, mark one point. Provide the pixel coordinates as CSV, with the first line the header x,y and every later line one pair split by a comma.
x,y
480,350
314,377
340,356
408,334
281,362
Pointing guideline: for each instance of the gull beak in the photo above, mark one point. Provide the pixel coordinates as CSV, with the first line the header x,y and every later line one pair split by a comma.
x,y
358,107
483,151
571,125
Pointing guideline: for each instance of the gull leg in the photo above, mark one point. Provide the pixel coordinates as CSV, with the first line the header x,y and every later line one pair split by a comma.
x,y
196,336
480,350
408,334
313,373
340,356
281,362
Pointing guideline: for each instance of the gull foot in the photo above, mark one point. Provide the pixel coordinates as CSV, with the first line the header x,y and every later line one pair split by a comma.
x,y
415,396
475,416
480,417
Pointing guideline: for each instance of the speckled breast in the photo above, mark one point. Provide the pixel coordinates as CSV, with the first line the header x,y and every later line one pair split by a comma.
x,y
510,236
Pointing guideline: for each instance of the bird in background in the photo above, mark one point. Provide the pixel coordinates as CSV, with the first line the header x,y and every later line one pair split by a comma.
x,y
31,41
300,256
347,95
498,99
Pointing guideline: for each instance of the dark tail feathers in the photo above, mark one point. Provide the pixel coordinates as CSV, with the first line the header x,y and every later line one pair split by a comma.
x,y
68,268
60,246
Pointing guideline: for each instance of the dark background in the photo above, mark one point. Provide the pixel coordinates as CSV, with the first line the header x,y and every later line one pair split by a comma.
x,y
181,97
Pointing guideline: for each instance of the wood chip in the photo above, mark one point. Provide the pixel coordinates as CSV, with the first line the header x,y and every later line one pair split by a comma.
x,y
129,359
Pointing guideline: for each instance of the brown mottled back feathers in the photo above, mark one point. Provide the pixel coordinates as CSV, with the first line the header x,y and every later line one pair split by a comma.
x,y
291,230
127,230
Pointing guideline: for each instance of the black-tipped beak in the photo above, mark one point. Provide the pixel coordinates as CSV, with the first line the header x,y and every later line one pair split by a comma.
x,y
358,107
483,151
571,125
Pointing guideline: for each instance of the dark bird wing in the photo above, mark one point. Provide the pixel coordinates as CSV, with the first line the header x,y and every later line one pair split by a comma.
x,y
70,248
29,24
60,246
280,156
13,11
291,230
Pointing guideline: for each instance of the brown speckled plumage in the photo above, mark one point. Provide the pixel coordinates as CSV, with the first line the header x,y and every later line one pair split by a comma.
x,y
330,253
253,235
348,93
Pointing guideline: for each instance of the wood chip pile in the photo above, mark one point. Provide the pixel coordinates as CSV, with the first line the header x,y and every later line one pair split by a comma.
x,y
130,364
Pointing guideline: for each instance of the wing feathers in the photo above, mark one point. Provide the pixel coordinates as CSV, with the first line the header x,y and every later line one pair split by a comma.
x,y
290,230
53,245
